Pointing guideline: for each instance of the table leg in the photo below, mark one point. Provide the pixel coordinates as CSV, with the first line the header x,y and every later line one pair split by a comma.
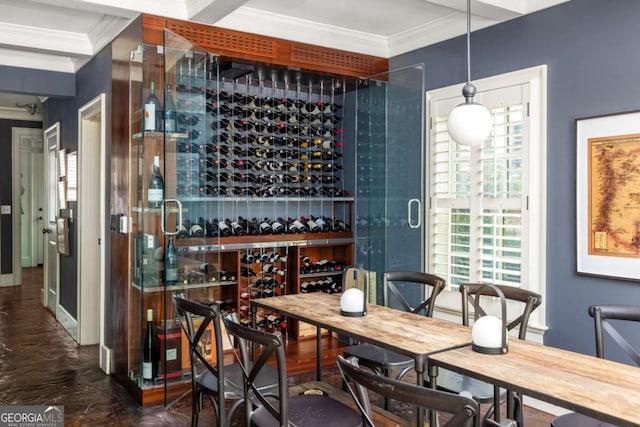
x,y
433,381
318,352
420,381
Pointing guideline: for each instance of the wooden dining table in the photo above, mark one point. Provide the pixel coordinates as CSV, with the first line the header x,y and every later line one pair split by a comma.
x,y
602,389
409,334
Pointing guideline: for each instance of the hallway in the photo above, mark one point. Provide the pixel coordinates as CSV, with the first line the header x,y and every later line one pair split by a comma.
x,y
40,364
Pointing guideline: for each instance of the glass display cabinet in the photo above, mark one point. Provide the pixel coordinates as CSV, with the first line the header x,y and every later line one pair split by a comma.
x,y
240,186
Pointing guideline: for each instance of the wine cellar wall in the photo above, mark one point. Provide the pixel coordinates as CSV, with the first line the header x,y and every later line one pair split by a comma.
x,y
240,188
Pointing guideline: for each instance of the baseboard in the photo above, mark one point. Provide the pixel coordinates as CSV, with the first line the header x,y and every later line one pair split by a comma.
x,y
7,280
105,359
67,321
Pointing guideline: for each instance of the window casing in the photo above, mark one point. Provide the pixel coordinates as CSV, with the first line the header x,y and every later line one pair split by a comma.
x,y
487,204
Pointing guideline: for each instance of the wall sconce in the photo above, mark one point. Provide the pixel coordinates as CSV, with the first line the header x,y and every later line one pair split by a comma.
x,y
32,107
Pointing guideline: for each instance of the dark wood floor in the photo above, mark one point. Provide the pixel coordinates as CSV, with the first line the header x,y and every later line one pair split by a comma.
x,y
40,364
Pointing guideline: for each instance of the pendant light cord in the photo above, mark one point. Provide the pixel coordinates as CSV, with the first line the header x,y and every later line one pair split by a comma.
x,y
468,41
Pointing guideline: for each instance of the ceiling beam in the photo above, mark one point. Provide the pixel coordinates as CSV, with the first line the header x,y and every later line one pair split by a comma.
x,y
38,39
124,8
211,11
495,10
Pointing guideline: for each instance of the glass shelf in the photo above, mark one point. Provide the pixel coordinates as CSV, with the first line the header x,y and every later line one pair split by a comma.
x,y
260,245
182,286
267,199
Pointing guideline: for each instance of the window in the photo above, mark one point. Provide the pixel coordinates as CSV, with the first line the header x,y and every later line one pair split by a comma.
x,y
487,204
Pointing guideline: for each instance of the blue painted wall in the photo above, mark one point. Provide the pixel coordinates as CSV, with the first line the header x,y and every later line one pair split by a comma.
x,y
36,82
91,80
28,82
6,190
592,51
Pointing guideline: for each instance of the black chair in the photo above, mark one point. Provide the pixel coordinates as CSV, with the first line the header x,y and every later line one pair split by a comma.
x,y
602,316
384,361
271,410
207,379
484,392
463,409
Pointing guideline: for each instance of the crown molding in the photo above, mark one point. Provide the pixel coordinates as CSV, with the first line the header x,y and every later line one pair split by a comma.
x,y
103,33
285,27
11,113
38,61
41,39
433,32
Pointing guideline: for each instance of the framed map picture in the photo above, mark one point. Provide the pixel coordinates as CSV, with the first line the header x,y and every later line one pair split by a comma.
x,y
608,195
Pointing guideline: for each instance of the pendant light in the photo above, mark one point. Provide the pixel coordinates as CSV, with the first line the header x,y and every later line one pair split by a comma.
x,y
469,123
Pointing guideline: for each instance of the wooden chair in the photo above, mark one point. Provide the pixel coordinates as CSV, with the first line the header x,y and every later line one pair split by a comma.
x,y
463,409
213,379
268,409
383,361
602,317
484,392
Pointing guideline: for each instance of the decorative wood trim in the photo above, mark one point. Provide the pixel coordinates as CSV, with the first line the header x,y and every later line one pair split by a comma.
x,y
257,48
338,61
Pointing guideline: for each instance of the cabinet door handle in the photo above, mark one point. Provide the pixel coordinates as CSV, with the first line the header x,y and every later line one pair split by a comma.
x,y
165,202
418,224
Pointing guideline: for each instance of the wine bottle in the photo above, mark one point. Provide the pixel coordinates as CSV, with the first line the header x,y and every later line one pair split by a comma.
x,y
156,185
246,272
169,111
152,110
235,227
196,230
320,222
248,258
250,225
171,263
311,225
265,227
211,227
182,232
149,362
224,228
277,226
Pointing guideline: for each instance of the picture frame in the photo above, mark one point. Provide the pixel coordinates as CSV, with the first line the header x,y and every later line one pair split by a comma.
x,y
62,235
608,195
62,194
72,176
62,163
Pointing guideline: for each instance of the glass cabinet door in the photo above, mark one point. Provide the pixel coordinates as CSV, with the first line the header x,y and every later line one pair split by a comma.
x,y
169,86
390,173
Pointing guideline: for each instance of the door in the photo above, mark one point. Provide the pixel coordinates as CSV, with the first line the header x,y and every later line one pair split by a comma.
x,y
390,166
51,259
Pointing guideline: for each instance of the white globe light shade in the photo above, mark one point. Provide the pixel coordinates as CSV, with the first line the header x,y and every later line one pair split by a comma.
x,y
352,302
469,124
486,333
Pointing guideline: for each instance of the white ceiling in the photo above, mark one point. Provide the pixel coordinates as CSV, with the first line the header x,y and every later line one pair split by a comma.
x,y
61,35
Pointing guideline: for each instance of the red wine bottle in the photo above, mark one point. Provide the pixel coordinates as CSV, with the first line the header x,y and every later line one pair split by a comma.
x,y
171,263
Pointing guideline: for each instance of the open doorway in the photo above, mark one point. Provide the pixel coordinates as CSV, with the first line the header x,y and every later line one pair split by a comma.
x,y
27,206
91,214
